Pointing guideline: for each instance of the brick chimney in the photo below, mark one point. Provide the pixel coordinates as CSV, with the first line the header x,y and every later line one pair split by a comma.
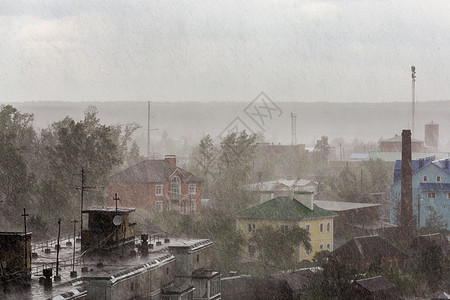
x,y
171,159
406,211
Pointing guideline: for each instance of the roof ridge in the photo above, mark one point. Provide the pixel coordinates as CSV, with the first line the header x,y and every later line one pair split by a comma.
x,y
358,245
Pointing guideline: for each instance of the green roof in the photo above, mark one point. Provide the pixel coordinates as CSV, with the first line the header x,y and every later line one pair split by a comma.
x,y
283,208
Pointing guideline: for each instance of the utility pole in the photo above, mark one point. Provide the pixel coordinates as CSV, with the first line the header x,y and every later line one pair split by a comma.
x,y
116,198
82,188
57,277
73,273
25,215
149,129
413,87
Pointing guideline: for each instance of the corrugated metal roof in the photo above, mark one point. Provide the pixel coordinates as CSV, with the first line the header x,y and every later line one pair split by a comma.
x,y
342,206
283,208
283,184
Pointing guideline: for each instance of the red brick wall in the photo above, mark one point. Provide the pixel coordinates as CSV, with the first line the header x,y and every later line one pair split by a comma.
x,y
140,195
397,147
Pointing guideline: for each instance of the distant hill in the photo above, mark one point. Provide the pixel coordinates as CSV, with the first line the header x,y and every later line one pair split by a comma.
x,y
191,120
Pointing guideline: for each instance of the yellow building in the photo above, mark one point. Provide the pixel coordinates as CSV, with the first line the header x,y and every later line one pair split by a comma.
x,y
284,213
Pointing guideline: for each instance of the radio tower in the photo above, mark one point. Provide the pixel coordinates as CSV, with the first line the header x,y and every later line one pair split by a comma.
x,y
293,129
413,77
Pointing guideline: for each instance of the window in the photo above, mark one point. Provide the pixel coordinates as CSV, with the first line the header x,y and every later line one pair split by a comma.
x,y
192,189
431,194
193,205
438,178
284,228
425,178
321,227
308,228
175,186
251,227
328,246
321,247
159,206
198,257
158,190
307,252
448,195
251,250
328,226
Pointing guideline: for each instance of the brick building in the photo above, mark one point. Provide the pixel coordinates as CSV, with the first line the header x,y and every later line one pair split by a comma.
x,y
157,185
394,144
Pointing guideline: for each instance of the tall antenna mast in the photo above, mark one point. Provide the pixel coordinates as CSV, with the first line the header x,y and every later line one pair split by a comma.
x,y
293,129
413,77
148,131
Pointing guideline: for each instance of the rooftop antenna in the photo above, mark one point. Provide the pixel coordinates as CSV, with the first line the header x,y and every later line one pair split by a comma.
x,y
293,129
413,87
25,215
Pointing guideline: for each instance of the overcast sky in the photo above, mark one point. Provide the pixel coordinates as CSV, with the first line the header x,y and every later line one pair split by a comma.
x,y
204,50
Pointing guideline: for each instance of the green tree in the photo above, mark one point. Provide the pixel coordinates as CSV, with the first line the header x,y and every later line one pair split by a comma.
x,y
71,146
433,265
436,222
276,249
17,152
321,150
234,162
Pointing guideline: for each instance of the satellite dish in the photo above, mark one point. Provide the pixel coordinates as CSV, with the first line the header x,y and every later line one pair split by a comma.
x,y
117,220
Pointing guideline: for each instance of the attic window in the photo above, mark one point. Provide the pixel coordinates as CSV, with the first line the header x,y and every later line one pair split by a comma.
x,y
438,178
425,178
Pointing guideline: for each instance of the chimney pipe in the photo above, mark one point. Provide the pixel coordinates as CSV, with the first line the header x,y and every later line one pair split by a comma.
x,y
171,159
406,214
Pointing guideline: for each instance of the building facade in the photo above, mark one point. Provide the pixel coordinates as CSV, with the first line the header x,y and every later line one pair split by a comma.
x,y
157,185
284,213
431,191
394,144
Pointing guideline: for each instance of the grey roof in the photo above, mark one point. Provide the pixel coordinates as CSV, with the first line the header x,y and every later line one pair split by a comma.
x,y
297,280
367,247
249,288
342,206
375,284
434,186
152,171
110,210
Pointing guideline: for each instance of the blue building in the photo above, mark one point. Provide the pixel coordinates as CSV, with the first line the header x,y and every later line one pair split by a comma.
x,y
430,187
